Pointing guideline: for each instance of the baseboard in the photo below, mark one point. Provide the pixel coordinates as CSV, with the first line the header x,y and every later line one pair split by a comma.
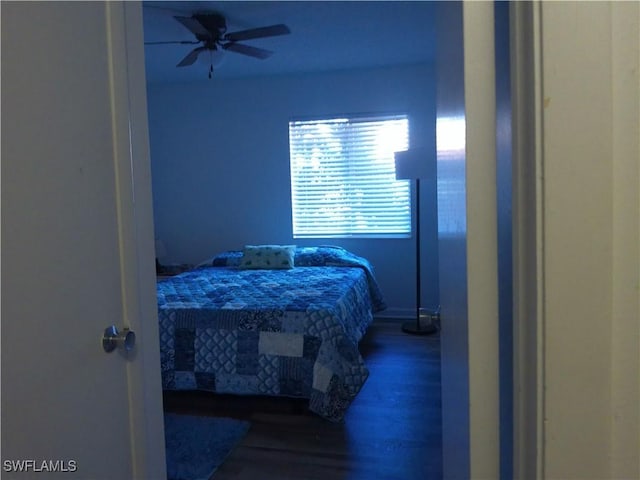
x,y
395,314
402,313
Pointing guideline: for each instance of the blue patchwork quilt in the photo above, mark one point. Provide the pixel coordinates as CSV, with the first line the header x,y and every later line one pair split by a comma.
x,y
291,332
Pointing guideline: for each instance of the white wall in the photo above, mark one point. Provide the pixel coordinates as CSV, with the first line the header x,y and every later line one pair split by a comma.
x,y
220,161
591,219
452,247
578,235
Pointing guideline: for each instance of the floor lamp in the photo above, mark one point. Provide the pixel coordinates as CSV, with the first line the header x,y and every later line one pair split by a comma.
x,y
412,164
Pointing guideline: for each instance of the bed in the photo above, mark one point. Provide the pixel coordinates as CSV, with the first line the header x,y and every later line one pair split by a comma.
x,y
236,327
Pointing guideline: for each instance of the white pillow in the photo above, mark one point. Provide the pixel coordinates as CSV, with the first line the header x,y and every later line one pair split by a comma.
x,y
267,256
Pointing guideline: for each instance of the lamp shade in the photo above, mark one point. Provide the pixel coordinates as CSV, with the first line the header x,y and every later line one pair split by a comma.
x,y
412,163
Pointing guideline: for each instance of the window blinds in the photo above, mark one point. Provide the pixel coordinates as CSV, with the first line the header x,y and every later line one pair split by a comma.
x,y
343,177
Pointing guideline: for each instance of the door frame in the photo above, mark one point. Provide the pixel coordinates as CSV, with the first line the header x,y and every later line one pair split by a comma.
x,y
528,425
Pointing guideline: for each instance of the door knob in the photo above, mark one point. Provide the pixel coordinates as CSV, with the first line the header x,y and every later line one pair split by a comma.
x,y
113,338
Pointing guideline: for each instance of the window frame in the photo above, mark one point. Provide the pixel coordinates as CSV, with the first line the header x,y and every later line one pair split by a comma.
x,y
355,118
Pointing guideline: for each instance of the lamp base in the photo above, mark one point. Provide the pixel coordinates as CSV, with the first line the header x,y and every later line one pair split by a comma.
x,y
417,328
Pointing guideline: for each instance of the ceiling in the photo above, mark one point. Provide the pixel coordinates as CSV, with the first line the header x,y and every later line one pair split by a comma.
x,y
325,36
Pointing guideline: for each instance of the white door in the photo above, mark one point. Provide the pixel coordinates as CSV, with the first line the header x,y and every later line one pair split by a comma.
x,y
77,251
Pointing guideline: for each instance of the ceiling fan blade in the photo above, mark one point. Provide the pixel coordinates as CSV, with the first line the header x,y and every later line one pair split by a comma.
x,y
261,32
176,42
191,57
195,27
247,50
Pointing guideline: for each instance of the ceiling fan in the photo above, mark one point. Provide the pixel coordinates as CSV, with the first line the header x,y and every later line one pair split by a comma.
x,y
210,30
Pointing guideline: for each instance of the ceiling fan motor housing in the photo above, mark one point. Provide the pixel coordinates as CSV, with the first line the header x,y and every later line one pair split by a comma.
x,y
214,23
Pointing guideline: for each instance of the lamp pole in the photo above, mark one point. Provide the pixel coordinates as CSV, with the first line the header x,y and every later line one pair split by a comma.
x,y
409,327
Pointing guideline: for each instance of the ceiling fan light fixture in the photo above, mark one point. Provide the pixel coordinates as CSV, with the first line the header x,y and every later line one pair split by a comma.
x,y
213,58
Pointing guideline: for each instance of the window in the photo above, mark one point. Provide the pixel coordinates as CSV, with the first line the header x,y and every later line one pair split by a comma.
x,y
343,180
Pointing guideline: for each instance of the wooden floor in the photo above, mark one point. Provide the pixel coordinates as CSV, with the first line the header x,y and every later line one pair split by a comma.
x,y
391,431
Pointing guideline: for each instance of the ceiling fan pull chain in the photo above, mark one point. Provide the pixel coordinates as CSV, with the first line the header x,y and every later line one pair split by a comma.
x,y
210,71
